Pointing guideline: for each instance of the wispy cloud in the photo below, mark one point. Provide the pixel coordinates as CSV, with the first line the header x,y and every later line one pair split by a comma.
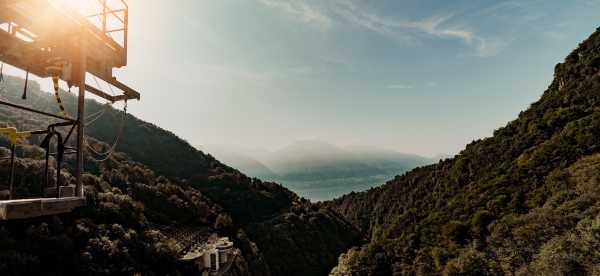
x,y
404,86
487,47
434,25
593,3
324,14
399,86
301,11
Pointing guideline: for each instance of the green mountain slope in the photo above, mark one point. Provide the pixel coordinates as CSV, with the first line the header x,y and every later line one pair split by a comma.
x,y
525,201
154,181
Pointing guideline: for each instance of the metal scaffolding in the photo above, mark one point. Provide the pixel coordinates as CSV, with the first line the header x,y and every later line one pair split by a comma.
x,y
50,40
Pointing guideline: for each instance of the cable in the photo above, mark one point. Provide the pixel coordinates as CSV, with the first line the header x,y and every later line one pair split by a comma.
x,y
107,155
112,92
109,152
96,115
97,83
100,113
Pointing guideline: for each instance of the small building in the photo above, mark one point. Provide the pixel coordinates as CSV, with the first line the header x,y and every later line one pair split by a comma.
x,y
225,249
213,255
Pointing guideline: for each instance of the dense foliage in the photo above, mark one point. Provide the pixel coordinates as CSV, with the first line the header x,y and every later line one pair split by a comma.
x,y
112,234
525,201
285,235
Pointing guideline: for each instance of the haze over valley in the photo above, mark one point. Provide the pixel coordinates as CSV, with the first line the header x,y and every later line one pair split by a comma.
x,y
318,170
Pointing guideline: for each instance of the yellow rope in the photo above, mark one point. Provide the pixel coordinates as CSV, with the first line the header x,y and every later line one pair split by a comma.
x,y
56,71
57,95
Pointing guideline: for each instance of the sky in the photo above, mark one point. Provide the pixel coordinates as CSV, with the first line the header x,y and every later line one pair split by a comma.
x,y
423,77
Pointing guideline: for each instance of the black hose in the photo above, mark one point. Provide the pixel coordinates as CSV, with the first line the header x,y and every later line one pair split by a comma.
x,y
24,97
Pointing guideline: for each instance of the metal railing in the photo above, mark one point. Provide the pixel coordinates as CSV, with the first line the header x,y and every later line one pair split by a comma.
x,y
120,14
50,133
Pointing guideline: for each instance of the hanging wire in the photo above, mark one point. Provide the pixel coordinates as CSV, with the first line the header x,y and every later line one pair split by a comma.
x,y
108,154
112,92
105,155
97,82
92,118
97,115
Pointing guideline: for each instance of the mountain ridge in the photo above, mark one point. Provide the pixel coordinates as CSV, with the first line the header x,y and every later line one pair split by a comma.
x,y
523,201
319,171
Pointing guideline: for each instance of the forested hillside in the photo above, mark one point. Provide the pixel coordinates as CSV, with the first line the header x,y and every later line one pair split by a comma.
x,y
525,201
155,180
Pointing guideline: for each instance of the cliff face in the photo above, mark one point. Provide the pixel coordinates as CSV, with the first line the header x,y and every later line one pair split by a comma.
x,y
524,201
154,179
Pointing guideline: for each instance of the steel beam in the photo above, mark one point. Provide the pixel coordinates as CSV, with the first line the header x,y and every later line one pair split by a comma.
x,y
81,72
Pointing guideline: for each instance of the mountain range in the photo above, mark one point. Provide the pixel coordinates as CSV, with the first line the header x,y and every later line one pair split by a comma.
x,y
321,171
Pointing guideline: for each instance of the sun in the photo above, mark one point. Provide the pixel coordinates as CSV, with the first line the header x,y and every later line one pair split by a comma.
x,y
90,7
108,15
84,7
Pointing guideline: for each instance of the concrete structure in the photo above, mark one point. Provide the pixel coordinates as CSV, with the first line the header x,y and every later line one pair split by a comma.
x,y
225,249
29,208
215,255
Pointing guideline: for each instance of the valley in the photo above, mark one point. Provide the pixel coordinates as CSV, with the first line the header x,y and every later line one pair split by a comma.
x,y
321,171
299,138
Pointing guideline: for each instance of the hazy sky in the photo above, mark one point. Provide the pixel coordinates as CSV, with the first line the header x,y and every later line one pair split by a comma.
x,y
421,77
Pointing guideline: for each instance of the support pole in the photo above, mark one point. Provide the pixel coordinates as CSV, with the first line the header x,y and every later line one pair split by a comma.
x,y
13,148
80,81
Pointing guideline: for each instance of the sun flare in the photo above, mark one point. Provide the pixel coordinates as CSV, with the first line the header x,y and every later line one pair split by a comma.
x,y
85,7
90,7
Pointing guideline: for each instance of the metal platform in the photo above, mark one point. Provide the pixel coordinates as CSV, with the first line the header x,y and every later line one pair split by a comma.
x,y
35,33
30,208
50,39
